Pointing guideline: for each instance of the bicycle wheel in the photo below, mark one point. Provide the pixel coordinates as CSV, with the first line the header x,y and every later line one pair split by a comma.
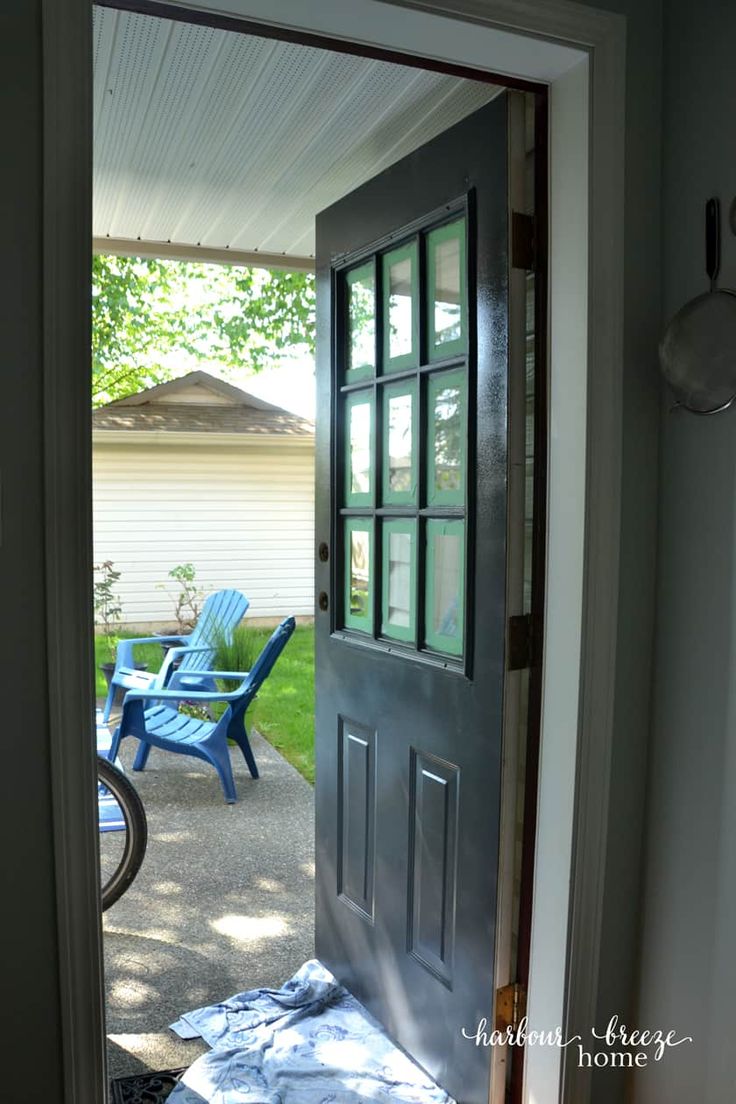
x,y
123,831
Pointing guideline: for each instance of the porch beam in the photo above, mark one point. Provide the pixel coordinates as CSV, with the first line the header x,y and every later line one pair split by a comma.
x,y
203,254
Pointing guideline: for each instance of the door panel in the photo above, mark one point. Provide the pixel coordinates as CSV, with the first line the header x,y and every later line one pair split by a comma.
x,y
412,305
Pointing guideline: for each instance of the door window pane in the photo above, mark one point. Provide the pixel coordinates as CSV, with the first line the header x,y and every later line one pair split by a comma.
x,y
361,288
447,439
445,593
399,443
359,574
401,308
399,568
359,442
447,294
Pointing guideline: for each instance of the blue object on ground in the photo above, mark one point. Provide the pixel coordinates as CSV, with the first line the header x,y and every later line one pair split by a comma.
x,y
309,1042
109,815
220,614
162,725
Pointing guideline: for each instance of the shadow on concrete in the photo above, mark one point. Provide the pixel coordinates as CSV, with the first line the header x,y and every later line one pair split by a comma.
x,y
224,901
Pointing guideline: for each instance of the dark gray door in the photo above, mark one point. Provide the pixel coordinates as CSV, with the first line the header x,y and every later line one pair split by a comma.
x,y
412,286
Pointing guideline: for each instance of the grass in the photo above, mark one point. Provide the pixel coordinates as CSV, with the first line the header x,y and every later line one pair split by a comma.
x,y
283,712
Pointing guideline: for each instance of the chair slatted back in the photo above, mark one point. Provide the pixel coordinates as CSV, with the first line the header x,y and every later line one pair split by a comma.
x,y
271,651
222,612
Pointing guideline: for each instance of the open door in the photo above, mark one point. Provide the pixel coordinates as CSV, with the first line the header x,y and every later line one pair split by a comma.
x,y
412,384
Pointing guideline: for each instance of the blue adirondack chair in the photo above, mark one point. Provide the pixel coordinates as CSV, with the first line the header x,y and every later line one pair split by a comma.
x,y
152,715
220,614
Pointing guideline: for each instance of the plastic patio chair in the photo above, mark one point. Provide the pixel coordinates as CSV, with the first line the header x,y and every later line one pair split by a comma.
x,y
162,725
220,614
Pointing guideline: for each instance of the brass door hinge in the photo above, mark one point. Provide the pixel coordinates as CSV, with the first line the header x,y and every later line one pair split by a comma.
x,y
523,240
510,1006
519,652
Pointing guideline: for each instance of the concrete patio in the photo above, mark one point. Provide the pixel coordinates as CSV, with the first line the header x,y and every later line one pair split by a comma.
x,y
224,901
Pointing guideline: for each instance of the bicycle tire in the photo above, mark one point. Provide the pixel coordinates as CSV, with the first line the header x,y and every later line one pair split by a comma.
x,y
136,831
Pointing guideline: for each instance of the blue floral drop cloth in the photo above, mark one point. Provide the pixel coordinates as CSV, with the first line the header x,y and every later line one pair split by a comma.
x,y
309,1042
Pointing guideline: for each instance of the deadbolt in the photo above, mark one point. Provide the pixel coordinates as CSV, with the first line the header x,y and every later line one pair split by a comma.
x,y
324,552
323,601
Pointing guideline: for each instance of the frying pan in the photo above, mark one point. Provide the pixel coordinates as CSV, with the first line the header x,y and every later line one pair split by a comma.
x,y
697,353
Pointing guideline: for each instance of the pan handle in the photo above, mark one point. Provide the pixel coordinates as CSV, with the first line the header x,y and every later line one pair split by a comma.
x,y
712,240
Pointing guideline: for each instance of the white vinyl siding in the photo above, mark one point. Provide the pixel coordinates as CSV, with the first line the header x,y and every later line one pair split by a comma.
x,y
242,514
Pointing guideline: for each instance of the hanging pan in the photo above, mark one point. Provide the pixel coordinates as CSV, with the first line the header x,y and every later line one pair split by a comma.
x,y
697,353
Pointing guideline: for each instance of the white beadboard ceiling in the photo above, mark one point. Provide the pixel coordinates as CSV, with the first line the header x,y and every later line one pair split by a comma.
x,y
210,138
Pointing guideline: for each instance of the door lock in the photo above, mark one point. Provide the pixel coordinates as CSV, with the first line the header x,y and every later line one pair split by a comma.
x,y
324,552
323,601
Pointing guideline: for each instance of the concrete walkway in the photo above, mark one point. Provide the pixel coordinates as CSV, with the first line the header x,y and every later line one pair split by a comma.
x,y
224,901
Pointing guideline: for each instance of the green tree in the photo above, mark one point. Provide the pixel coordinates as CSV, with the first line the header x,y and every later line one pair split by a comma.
x,y
148,313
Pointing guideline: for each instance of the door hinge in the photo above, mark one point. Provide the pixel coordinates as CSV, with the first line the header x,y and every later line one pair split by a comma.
x,y
519,650
523,240
510,1006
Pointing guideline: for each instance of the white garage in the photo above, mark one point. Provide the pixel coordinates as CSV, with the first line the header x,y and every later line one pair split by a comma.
x,y
198,471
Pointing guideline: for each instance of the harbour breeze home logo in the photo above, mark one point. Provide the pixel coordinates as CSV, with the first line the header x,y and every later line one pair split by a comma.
x,y
615,1047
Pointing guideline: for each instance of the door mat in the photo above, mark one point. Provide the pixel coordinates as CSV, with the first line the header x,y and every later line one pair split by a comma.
x,y
144,1088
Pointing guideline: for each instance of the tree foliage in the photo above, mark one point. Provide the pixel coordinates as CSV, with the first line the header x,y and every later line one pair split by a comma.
x,y
154,319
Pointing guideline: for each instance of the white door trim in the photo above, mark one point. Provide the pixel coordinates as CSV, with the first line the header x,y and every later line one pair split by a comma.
x,y
535,39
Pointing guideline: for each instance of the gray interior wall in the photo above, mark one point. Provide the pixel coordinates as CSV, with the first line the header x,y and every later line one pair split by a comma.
x,y
28,944
29,952
688,972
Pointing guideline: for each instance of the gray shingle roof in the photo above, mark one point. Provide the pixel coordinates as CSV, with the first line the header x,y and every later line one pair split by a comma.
x,y
196,418
156,410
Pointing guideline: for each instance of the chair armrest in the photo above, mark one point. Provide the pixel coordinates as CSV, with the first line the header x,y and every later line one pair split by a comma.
x,y
178,653
182,695
124,652
182,672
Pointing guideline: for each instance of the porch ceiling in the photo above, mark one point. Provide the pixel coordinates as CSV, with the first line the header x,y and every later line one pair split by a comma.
x,y
212,140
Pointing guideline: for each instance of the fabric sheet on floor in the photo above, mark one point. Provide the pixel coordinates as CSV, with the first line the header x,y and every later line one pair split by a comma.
x,y
309,1042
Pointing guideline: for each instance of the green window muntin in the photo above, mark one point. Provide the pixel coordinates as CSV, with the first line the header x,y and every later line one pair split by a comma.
x,y
447,443
384,595
360,323
400,457
359,448
398,579
401,308
447,299
358,590
444,586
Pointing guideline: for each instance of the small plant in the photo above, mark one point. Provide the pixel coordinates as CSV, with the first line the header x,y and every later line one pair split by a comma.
x,y
188,599
236,651
108,610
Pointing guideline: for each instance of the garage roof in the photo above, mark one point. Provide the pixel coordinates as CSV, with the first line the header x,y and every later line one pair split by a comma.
x,y
212,141
198,403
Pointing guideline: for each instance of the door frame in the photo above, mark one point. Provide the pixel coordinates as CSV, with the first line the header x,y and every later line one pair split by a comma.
x,y
580,52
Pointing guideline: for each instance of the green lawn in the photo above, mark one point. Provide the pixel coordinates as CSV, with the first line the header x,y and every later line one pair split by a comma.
x,y
284,709
283,712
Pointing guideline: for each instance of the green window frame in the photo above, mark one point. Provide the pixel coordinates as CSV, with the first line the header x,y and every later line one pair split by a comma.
x,y
359,498
394,390
406,526
403,361
354,373
448,643
437,382
448,232
353,620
